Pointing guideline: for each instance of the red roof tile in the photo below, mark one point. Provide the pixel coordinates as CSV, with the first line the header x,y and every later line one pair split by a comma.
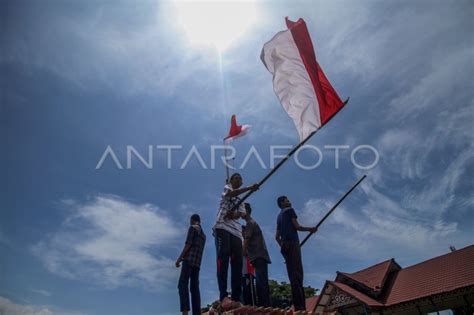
x,y
254,310
311,303
373,277
437,275
440,274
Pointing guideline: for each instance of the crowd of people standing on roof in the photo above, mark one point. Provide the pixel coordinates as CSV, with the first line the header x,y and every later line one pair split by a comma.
x,y
233,244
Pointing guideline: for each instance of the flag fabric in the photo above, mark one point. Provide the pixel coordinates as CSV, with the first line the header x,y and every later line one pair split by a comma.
x,y
299,82
236,131
248,268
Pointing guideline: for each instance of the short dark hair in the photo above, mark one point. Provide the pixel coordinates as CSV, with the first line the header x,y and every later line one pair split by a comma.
x,y
196,217
235,174
280,200
248,208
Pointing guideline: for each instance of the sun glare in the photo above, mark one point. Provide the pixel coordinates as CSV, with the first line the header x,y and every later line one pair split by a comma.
x,y
216,23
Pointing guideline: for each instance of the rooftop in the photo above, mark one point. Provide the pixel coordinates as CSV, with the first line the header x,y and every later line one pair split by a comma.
x,y
387,284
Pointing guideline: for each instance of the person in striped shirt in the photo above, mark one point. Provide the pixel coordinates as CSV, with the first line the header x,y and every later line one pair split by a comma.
x,y
228,239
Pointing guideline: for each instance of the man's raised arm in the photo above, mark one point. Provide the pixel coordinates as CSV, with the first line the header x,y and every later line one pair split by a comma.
x,y
238,191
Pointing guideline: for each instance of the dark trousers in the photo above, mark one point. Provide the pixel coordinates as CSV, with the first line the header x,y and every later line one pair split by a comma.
x,y
189,272
291,251
248,294
261,280
229,247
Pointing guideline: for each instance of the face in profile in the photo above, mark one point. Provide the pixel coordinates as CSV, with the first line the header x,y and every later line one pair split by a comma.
x,y
286,203
248,210
236,181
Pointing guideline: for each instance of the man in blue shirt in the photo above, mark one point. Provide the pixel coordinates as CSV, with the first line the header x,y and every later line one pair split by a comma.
x,y
287,238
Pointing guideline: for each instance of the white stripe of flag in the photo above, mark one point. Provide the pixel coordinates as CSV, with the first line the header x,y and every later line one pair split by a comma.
x,y
298,80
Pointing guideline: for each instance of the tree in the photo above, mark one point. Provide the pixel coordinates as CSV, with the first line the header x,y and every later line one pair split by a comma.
x,y
280,293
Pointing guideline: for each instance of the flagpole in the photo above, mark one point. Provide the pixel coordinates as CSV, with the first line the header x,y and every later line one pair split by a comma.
x,y
226,165
299,145
333,208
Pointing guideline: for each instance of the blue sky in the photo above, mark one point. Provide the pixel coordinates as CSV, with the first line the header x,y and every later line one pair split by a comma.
x,y
80,76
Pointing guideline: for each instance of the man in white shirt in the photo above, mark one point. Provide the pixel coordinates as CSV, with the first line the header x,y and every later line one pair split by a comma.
x,y
228,239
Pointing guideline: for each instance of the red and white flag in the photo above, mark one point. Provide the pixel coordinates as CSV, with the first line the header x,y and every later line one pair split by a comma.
x,y
299,82
235,130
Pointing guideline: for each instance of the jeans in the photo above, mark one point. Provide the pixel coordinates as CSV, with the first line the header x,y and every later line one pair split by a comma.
x,y
229,247
261,277
189,272
291,251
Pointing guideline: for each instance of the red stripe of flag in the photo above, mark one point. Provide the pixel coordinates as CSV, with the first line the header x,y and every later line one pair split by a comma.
x,y
329,101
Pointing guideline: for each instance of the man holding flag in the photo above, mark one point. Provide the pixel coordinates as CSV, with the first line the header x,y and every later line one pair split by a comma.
x,y
310,100
228,230
287,238
228,239
300,84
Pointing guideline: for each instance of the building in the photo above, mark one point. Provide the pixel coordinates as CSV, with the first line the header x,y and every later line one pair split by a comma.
x,y
442,283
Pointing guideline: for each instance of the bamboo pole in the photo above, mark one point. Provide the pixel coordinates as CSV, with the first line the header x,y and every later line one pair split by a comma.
x,y
334,208
295,148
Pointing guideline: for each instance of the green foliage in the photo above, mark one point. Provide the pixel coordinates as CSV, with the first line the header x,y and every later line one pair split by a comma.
x,y
214,304
281,293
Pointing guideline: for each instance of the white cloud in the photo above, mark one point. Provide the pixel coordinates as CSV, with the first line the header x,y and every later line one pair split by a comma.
x,y
374,44
4,240
438,195
399,149
112,242
8,307
41,292
380,228
144,58
415,190
427,146
444,86
425,160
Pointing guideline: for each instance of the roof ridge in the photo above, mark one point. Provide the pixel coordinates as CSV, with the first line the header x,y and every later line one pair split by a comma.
x,y
374,277
370,267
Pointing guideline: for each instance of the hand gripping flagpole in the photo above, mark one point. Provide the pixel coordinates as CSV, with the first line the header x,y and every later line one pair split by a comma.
x,y
333,208
286,158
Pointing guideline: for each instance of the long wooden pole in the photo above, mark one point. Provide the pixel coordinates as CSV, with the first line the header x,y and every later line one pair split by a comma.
x,y
334,208
273,170
226,165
